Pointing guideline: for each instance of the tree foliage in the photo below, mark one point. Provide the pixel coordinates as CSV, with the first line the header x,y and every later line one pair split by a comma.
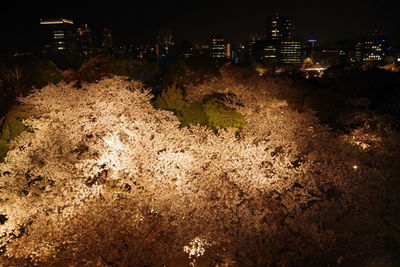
x,y
102,66
341,88
11,125
190,70
268,195
135,69
171,99
211,111
22,73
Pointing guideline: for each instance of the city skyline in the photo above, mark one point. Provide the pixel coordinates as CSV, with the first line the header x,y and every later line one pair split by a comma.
x,y
313,19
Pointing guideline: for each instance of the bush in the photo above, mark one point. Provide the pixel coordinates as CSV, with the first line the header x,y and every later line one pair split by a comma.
x,y
95,68
11,126
194,114
135,69
193,70
211,111
24,72
102,66
221,116
171,99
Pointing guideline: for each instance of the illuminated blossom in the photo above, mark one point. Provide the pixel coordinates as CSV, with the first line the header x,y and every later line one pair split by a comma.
x,y
251,193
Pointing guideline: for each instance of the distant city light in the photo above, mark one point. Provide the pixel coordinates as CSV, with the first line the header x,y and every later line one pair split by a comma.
x,y
55,21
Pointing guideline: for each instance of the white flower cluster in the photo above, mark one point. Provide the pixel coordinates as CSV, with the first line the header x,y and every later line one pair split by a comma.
x,y
245,190
196,247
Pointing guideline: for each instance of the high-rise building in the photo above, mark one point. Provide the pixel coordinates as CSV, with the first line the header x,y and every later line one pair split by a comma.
x,y
270,53
346,51
166,43
372,49
228,51
281,46
279,28
85,41
290,52
369,51
217,47
308,47
107,42
58,38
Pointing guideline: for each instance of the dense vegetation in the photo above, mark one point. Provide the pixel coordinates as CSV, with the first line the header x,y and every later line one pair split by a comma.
x,y
119,163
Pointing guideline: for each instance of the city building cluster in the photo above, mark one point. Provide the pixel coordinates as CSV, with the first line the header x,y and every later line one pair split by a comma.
x,y
63,41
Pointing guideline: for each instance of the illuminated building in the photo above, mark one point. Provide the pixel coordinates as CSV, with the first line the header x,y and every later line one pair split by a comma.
x,y
279,28
218,47
290,52
281,47
165,45
85,41
58,39
369,50
238,54
228,51
270,52
372,49
308,47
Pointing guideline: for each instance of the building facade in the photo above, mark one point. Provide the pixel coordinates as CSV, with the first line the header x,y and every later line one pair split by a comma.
x,y
85,41
290,52
372,49
218,47
165,43
58,37
107,41
281,47
279,28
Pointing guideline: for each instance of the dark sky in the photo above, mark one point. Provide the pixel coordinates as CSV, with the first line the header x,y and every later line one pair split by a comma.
x,y
196,20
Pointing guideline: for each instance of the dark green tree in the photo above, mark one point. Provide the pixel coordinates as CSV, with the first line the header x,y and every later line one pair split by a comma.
x,y
190,70
11,125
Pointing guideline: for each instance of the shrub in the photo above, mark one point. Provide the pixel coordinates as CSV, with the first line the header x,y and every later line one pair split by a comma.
x,y
11,126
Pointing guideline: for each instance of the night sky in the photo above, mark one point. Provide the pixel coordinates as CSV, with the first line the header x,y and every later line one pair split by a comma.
x,y
195,21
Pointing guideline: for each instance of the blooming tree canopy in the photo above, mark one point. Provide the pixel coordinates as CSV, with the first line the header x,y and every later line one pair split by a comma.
x,y
264,195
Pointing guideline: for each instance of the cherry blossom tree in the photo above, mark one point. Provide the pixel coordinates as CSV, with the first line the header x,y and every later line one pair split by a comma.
x,y
264,195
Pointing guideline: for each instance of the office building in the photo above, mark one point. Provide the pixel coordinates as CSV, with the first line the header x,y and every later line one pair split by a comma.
x,y
58,38
279,28
372,49
228,51
369,50
107,41
218,47
281,46
165,43
85,41
290,52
